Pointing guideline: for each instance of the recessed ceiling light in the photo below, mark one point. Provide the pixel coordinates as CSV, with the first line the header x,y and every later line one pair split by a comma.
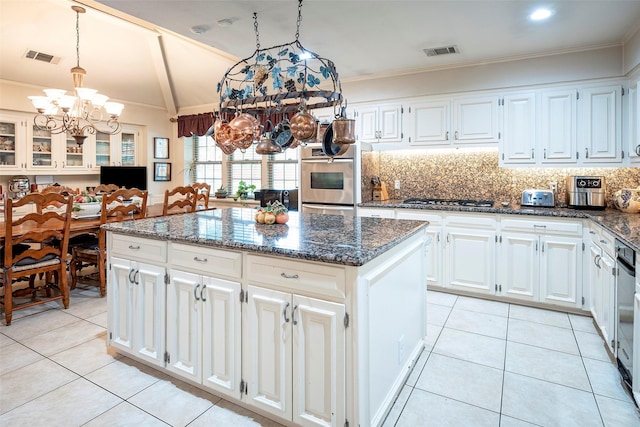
x,y
540,14
225,22
200,29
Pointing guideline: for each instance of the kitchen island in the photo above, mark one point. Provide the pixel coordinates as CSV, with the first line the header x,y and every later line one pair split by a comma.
x,y
314,322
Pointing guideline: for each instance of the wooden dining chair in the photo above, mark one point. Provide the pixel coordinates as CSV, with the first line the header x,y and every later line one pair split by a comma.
x,y
203,191
121,205
179,200
30,254
105,188
60,189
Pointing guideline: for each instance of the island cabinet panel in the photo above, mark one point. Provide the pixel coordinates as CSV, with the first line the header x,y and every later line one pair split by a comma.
x,y
137,306
295,357
203,330
207,260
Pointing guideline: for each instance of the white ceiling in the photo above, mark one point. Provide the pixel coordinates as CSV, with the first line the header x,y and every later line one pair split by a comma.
x,y
141,62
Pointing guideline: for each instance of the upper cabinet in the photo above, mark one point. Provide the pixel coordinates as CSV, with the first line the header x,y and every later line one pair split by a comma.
x,y
601,125
558,130
519,118
115,150
12,147
632,135
475,120
379,123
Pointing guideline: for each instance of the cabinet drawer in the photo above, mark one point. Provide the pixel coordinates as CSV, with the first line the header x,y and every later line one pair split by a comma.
x,y
607,242
297,276
472,221
208,261
376,213
139,249
433,219
543,226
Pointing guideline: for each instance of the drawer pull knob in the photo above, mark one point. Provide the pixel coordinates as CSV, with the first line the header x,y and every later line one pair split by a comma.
x,y
603,241
538,225
287,276
196,259
134,247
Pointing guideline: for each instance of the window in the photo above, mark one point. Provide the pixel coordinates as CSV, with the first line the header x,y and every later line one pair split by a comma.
x,y
212,166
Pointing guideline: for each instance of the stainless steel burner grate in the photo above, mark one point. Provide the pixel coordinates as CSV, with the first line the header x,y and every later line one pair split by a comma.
x,y
449,202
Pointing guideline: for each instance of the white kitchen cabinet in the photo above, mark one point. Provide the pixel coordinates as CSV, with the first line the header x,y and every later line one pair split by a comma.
x,y
632,140
204,330
435,250
601,124
379,123
470,252
12,142
55,153
519,273
561,270
518,141
295,357
136,297
558,126
376,212
430,123
115,150
475,119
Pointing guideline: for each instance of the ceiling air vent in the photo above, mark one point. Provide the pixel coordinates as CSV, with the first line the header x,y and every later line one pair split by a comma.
x,y
40,56
435,51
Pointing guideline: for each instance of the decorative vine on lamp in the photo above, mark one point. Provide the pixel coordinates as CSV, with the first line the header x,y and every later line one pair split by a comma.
x,y
78,114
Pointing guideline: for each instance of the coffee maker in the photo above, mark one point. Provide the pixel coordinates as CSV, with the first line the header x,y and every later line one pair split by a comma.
x,y
18,186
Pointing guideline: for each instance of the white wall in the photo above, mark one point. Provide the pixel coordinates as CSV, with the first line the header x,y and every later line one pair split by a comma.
x,y
632,53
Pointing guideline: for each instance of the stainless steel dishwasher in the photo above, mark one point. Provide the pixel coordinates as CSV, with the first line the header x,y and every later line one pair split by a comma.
x,y
625,297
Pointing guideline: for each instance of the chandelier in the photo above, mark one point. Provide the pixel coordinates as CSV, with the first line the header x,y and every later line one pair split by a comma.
x,y
80,113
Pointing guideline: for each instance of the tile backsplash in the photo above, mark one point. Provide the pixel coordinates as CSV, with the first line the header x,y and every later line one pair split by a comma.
x,y
473,175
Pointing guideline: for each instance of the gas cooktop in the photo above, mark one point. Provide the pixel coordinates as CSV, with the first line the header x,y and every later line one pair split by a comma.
x,y
450,202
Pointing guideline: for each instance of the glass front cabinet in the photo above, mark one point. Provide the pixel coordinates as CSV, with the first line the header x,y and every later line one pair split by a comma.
x,y
12,152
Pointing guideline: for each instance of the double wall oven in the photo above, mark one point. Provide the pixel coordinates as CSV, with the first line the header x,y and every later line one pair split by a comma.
x,y
328,185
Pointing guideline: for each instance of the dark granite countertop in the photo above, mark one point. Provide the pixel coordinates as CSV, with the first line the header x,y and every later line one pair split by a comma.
x,y
315,237
623,225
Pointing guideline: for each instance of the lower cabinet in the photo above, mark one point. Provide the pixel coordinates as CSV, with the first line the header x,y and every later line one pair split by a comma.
x,y
294,353
602,282
203,330
136,300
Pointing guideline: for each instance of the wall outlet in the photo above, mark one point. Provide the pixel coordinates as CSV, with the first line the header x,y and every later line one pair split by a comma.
x,y
401,350
396,184
553,186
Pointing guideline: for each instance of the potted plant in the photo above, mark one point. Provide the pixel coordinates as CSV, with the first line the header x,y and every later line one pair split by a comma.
x,y
221,193
243,191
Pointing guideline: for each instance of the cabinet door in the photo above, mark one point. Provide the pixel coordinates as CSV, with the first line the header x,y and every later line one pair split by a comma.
x,y
221,332
121,300
13,143
471,260
149,315
558,126
184,312
602,124
390,123
560,270
127,147
435,257
607,289
519,139
594,279
519,266
103,150
429,123
475,120
368,124
318,362
633,128
41,145
268,353
73,155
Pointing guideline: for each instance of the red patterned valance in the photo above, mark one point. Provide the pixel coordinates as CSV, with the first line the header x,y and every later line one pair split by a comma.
x,y
194,124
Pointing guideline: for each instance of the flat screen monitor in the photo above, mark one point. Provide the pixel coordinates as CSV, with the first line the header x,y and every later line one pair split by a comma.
x,y
124,176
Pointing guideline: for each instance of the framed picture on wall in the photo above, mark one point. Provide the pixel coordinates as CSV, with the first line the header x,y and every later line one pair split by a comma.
x,y
161,148
161,171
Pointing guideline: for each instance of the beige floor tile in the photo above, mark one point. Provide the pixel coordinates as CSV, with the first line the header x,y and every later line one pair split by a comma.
x,y
431,410
30,311
29,382
605,379
513,422
88,307
99,319
433,332
87,357
14,356
73,404
166,400
616,413
478,323
64,338
125,377
125,415
548,404
582,323
463,381
539,315
397,407
5,340
441,298
549,365
475,348
31,326
545,336
592,346
437,314
482,306
227,414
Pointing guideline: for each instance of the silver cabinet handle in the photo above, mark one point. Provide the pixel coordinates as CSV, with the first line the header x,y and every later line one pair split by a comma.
x,y
592,232
135,277
196,259
195,292
134,247
447,138
284,313
638,150
287,276
539,226
202,294
532,153
130,278
545,153
587,152
293,315
603,241
56,164
597,261
455,135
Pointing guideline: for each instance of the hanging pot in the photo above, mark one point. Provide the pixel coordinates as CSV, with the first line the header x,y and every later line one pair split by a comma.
x,y
243,129
328,147
282,134
344,131
267,145
304,126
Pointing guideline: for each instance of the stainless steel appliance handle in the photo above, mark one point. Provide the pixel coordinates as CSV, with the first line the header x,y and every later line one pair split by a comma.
x,y
328,207
324,160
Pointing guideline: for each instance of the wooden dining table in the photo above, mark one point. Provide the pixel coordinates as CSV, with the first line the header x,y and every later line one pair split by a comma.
x,y
86,225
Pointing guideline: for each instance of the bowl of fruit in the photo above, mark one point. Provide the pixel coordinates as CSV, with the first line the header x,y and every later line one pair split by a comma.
x,y
273,213
87,206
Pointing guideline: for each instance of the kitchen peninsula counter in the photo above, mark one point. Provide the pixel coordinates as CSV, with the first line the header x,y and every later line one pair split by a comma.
x,y
315,322
625,226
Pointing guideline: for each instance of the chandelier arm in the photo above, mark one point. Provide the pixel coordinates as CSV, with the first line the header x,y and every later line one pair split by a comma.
x,y
48,123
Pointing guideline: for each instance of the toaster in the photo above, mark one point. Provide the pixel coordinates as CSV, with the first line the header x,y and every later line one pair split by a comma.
x,y
538,198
